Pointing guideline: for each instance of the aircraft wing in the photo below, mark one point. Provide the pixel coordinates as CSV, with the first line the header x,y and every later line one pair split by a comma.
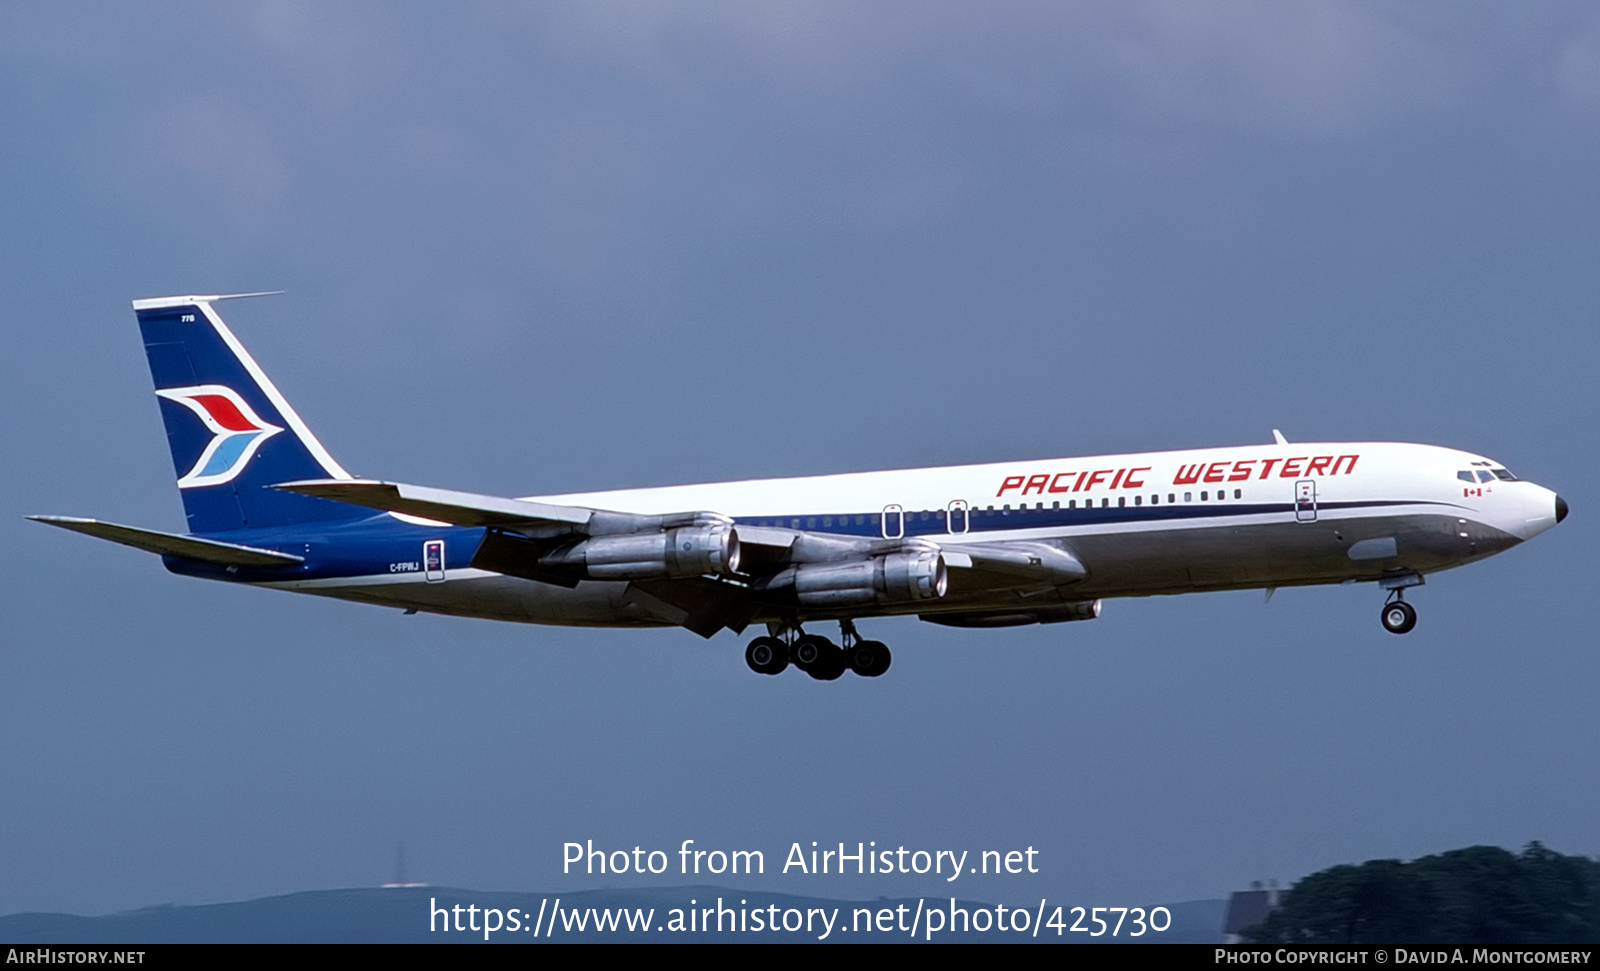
x,y
443,505
532,519
726,571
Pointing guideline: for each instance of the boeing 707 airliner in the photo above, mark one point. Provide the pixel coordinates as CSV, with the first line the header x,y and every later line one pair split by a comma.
x,y
1010,543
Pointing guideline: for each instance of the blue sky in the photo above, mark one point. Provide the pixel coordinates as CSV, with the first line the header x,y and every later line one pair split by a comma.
x,y
557,247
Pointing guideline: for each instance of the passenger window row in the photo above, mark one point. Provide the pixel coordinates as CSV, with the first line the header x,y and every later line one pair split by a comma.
x,y
811,522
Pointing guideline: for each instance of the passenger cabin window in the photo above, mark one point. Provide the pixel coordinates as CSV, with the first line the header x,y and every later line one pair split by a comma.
x,y
893,522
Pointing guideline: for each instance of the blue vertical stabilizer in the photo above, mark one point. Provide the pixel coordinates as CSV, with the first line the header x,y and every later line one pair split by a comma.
x,y
231,432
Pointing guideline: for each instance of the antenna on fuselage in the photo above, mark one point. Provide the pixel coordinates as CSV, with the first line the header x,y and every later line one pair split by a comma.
x,y
1277,436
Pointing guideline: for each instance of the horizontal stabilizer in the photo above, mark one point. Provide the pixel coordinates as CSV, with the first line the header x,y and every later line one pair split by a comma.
x,y
455,508
172,544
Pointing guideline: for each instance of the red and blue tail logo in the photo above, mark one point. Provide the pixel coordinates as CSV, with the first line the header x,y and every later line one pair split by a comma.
x,y
228,460
236,432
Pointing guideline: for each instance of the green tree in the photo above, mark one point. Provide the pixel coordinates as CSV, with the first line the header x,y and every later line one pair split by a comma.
x,y
1479,896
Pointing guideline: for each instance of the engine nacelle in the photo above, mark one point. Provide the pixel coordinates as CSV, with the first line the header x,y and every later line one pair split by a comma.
x,y
688,551
893,579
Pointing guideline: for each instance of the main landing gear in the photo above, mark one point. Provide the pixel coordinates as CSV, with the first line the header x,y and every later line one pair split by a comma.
x,y
1398,616
816,655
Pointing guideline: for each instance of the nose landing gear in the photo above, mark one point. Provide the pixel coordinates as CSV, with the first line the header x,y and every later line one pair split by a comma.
x,y
1398,616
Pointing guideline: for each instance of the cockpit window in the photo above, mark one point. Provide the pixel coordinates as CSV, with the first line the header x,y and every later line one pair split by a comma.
x,y
1504,475
1485,476
1464,476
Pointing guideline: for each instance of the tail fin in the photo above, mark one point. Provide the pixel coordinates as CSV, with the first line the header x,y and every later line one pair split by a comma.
x,y
231,432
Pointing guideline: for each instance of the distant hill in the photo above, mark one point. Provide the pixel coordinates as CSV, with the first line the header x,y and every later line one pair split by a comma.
x,y
401,916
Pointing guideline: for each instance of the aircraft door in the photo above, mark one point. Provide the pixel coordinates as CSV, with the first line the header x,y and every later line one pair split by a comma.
x,y
956,517
433,560
894,521
1305,501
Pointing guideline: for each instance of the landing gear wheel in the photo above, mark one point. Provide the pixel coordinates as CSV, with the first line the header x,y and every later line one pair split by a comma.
x,y
818,657
830,665
767,655
869,658
1399,617
809,649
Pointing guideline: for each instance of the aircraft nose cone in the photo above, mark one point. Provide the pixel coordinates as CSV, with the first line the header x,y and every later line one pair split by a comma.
x,y
1561,509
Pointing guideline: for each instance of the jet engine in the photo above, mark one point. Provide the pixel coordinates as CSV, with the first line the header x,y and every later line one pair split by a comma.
x,y
688,551
892,579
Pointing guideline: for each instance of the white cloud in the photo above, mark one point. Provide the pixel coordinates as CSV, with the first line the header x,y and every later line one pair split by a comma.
x,y
1578,69
1309,66
222,146
339,54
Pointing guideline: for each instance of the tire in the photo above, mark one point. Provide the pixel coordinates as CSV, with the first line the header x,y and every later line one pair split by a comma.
x,y
810,649
830,662
870,658
767,655
1399,617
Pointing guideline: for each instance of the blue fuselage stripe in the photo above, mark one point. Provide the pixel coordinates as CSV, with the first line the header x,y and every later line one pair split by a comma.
x,y
931,523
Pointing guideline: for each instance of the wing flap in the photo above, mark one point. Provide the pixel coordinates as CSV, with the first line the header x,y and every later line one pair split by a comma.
x,y
706,605
173,544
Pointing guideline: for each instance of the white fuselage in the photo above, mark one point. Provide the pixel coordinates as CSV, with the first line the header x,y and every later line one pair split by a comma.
x,y
1141,524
